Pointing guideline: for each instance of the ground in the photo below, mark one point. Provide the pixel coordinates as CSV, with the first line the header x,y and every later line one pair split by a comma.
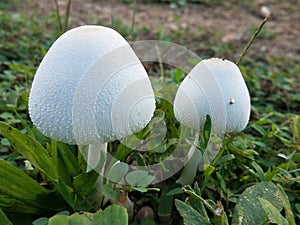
x,y
201,27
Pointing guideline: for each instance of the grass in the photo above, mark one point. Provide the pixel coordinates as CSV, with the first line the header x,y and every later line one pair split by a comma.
x,y
268,149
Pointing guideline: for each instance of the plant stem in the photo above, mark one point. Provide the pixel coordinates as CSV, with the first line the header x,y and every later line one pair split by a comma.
x,y
161,67
67,15
250,42
58,15
133,19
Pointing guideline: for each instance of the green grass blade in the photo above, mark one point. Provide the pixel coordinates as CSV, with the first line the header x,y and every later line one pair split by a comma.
x,y
3,219
286,205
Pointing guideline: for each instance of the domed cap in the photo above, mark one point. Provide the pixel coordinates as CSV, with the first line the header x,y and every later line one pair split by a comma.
x,y
90,86
214,87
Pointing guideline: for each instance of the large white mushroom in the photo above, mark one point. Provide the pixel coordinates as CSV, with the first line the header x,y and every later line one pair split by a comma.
x,y
214,87
90,88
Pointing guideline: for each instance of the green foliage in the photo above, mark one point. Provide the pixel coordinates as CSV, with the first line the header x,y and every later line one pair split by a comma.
x,y
19,193
3,219
232,188
111,215
250,210
190,215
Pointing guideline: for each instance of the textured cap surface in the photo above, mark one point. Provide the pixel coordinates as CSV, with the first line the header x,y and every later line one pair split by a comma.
x,y
215,87
76,95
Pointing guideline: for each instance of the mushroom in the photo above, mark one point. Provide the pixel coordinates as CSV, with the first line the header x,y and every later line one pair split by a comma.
x,y
214,87
89,89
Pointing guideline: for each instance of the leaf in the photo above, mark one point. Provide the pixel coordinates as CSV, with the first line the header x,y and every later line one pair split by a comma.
x,y
80,219
41,221
190,216
273,214
84,183
248,210
164,209
20,193
286,205
117,172
196,204
67,165
146,181
258,171
206,131
134,177
59,220
109,192
175,191
31,149
113,214
66,192
3,219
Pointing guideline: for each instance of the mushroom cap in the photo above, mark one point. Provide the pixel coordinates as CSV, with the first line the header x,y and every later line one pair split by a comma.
x,y
214,87
90,87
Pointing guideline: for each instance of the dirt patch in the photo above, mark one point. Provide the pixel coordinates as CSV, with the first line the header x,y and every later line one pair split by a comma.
x,y
198,26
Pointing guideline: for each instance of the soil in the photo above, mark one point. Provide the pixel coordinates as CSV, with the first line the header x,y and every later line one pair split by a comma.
x,y
200,27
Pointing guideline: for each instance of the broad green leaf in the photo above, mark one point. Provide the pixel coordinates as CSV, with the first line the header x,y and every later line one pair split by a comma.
x,y
272,212
113,214
146,181
248,210
59,220
190,216
31,149
134,177
110,193
80,219
3,219
41,221
20,193
117,172
84,183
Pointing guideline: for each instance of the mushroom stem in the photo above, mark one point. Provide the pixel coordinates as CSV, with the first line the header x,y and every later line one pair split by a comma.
x,y
96,157
96,161
190,169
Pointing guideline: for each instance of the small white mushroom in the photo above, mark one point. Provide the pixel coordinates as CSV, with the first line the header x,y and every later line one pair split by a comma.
x,y
214,87
91,88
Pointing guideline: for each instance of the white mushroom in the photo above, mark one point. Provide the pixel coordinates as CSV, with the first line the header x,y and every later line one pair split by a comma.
x,y
214,87
90,88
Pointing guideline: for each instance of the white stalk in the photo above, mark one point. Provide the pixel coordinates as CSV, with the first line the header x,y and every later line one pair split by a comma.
x,y
189,171
96,157
96,161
